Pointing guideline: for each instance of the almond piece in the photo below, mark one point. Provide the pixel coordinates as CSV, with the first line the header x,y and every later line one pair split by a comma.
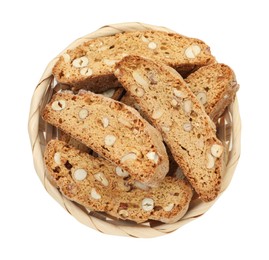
x,y
140,79
201,96
216,150
80,62
102,178
147,204
83,113
174,103
124,122
57,158
94,194
210,161
141,185
169,207
110,140
58,105
187,106
179,93
103,48
128,157
153,157
80,174
187,127
138,91
110,63
144,39
192,51
105,122
109,93
166,128
152,45
123,213
120,172
173,71
86,72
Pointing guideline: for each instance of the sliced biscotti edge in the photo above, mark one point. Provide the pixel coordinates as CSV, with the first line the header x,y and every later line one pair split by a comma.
x,y
115,131
172,108
91,64
98,185
215,86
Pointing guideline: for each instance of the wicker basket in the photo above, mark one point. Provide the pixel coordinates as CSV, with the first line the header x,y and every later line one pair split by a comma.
x,y
41,133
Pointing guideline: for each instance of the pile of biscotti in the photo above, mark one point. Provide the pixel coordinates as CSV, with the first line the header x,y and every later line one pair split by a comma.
x,y
136,114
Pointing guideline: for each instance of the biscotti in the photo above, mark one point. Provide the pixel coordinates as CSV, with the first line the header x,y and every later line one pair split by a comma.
x,y
172,108
101,186
215,86
113,130
91,64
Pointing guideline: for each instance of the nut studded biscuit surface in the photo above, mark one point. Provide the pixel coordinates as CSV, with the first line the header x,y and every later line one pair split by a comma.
x,y
91,64
172,108
113,130
215,86
114,93
99,185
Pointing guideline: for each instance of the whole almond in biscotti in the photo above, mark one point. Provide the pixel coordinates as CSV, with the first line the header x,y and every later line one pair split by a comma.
x,y
91,64
215,87
92,183
185,126
113,130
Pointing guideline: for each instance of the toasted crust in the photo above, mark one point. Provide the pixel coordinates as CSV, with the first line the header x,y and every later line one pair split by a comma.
x,y
218,82
116,195
126,139
102,53
191,147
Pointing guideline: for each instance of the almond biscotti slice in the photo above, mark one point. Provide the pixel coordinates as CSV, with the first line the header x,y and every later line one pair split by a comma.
x,y
113,130
99,185
91,64
172,108
215,86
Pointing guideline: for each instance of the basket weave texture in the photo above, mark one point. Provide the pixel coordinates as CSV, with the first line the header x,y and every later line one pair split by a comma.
x,y
228,128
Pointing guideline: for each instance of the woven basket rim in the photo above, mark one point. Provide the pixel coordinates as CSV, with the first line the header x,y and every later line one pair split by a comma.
x,y
94,221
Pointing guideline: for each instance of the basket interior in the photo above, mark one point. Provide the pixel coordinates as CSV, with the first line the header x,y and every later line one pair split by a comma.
x,y
228,131
197,207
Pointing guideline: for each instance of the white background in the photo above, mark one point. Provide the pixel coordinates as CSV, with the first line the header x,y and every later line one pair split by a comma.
x,y
34,226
